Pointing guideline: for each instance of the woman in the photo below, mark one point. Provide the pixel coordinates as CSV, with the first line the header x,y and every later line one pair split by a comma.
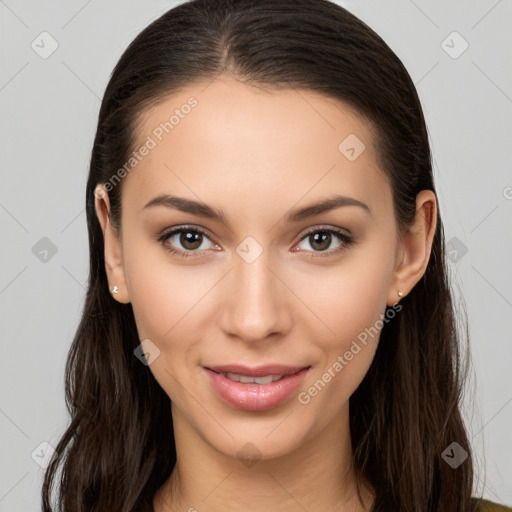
x,y
268,323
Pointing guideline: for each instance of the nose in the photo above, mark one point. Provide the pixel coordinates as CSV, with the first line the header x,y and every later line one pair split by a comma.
x,y
256,302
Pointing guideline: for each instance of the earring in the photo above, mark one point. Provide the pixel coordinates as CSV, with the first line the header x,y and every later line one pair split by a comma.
x,y
400,294
114,290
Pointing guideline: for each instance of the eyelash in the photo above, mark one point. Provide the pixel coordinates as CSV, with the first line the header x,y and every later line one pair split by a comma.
x,y
346,240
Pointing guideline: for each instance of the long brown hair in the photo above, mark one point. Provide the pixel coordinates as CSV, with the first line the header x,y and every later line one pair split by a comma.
x,y
119,447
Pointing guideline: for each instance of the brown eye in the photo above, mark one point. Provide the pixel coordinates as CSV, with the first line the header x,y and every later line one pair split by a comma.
x,y
184,241
321,239
190,240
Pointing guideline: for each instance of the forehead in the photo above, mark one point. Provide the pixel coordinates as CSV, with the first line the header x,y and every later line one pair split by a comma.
x,y
222,138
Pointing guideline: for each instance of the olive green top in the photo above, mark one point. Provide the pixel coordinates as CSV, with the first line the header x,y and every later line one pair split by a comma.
x,y
490,506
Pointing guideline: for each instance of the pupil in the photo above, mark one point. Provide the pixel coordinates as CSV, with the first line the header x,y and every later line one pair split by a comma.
x,y
323,238
190,239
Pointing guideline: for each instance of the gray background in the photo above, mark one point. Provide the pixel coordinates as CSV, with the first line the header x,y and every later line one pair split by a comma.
x,y
49,111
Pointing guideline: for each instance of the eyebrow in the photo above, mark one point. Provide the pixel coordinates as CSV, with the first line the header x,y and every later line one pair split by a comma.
x,y
203,210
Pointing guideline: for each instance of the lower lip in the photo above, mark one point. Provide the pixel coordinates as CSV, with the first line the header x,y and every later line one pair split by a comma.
x,y
252,396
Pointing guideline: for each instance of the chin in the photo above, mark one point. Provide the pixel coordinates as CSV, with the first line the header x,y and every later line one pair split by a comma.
x,y
262,439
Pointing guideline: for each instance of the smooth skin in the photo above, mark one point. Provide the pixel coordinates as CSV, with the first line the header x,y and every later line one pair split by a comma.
x,y
256,154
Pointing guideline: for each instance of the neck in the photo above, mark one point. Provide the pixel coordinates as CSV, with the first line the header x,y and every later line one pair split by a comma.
x,y
317,476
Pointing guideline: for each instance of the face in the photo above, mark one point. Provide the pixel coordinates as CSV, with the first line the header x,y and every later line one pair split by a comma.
x,y
258,283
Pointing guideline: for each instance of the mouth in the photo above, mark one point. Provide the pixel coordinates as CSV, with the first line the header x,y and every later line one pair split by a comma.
x,y
244,379
257,371
257,388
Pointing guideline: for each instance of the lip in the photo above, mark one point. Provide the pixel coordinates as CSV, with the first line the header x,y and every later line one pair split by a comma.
x,y
252,396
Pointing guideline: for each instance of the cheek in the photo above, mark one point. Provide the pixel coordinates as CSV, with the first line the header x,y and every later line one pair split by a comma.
x,y
166,302
350,298
351,301
164,294
347,355
352,311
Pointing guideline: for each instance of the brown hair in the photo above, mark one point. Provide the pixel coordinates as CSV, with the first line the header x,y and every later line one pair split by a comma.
x,y
119,447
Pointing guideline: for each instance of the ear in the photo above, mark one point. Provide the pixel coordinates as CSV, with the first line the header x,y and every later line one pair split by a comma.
x,y
415,246
113,247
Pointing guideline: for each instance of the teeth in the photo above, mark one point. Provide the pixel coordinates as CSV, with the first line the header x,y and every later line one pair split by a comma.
x,y
246,380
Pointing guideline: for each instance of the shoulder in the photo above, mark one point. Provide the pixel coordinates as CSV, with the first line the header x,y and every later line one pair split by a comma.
x,y
490,506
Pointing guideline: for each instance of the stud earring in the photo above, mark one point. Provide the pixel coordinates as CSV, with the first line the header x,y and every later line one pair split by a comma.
x,y
400,294
114,290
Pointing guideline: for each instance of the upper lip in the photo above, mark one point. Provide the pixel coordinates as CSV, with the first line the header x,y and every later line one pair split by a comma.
x,y
257,371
